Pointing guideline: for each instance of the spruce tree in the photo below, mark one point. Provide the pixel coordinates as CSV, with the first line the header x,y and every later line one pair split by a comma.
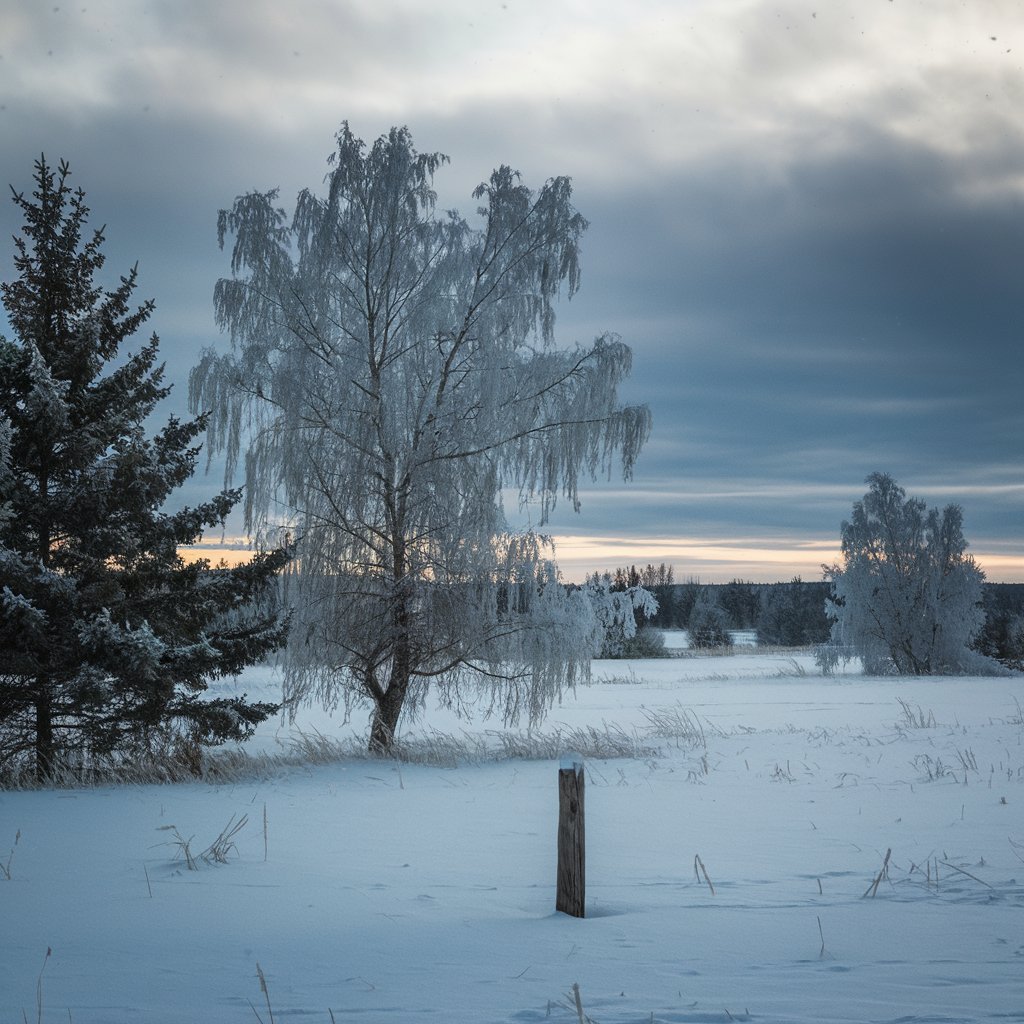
x,y
108,639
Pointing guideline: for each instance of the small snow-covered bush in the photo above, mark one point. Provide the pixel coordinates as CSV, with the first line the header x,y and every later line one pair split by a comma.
x,y
648,643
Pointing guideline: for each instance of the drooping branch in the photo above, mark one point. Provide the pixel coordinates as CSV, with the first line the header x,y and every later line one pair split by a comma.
x,y
395,372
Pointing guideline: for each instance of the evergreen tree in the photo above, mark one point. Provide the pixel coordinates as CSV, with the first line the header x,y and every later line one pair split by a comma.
x,y
685,598
708,622
1002,635
793,614
739,600
660,581
109,639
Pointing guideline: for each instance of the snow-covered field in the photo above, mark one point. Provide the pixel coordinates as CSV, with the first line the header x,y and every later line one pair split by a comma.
x,y
388,894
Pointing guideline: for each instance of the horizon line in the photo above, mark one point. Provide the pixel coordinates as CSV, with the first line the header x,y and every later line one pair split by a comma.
x,y
706,560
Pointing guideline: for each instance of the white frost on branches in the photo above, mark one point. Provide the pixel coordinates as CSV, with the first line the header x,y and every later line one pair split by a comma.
x,y
391,371
617,612
907,598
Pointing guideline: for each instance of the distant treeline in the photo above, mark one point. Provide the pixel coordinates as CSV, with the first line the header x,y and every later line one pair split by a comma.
x,y
1002,636
792,614
787,614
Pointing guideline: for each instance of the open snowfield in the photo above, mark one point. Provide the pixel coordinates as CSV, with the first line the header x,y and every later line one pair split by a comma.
x,y
400,894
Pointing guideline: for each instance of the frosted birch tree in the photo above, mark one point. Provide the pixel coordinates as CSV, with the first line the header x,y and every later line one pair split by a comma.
x,y
392,372
907,598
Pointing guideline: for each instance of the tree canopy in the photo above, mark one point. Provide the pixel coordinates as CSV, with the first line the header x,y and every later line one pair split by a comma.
x,y
393,378
907,597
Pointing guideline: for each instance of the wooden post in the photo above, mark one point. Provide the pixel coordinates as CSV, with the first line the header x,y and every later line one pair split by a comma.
x,y
570,897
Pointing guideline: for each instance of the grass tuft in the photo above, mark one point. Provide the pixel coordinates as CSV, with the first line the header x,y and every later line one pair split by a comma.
x,y
266,995
872,889
5,869
216,853
219,850
915,717
932,769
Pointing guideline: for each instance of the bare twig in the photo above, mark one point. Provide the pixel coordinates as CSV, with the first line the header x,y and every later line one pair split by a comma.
x,y
967,873
39,987
872,889
5,869
699,869
579,1002
266,994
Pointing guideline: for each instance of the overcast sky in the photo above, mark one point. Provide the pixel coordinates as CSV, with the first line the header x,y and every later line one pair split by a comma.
x,y
807,219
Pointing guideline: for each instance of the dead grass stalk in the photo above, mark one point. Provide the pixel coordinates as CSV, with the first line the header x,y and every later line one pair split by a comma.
x,y
872,889
699,869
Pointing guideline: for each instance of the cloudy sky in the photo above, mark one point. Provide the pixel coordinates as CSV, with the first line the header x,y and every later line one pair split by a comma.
x,y
807,218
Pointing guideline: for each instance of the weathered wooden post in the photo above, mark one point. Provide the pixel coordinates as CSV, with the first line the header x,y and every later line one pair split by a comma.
x,y
570,897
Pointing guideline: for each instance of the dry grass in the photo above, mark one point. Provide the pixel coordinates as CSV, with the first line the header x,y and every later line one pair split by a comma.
x,y
794,671
1018,717
699,869
39,987
5,869
914,717
883,874
216,853
931,768
678,725
732,650
266,995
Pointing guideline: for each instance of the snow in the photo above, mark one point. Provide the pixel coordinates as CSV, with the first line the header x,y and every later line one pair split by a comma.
x,y
679,639
390,893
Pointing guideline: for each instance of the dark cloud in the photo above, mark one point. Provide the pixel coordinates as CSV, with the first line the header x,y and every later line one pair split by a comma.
x,y
810,232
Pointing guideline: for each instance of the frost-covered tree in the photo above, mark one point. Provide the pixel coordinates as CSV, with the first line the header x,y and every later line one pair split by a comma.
x,y
907,598
708,622
108,639
394,372
657,580
621,612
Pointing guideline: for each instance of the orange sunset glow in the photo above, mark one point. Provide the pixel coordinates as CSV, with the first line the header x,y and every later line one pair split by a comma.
x,y
711,560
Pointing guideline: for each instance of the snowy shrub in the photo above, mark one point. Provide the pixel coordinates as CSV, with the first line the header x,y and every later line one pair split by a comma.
x,y
907,597
648,643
